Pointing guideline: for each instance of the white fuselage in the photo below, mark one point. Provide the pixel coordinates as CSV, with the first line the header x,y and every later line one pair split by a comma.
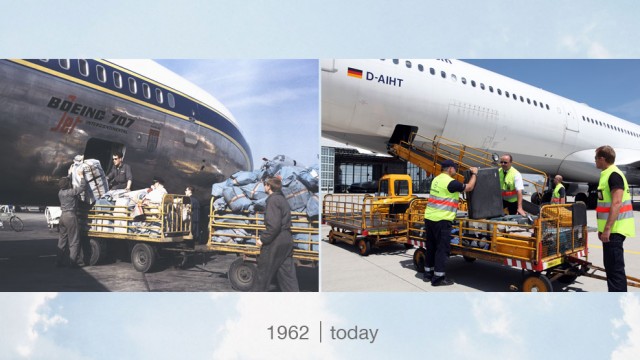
x,y
469,104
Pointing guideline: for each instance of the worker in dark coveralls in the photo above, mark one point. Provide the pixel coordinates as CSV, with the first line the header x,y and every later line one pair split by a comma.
x,y
120,175
615,217
276,241
68,252
438,218
195,214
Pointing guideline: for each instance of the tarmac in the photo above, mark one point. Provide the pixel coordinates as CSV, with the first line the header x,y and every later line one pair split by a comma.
x,y
391,269
27,263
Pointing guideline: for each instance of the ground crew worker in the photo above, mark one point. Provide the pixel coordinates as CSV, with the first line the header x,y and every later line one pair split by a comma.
x,y
438,218
511,185
276,242
68,252
559,195
120,175
195,214
615,217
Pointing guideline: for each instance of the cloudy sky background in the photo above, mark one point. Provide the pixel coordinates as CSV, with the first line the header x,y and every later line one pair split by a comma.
x,y
234,326
464,326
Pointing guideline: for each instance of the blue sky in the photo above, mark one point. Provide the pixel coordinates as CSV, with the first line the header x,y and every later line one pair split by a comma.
x,y
74,326
274,101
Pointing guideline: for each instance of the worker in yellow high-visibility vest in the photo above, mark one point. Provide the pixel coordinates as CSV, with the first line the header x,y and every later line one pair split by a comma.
x,y
559,195
615,217
438,218
512,185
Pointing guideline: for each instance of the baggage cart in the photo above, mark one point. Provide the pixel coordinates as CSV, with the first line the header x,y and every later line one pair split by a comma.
x,y
365,221
236,233
148,230
544,250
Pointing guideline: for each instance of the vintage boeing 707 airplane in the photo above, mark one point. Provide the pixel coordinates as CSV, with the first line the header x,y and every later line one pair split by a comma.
x,y
54,109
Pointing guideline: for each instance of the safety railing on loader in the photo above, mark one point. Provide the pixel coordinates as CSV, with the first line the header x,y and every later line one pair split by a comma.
x,y
427,154
148,226
232,232
546,245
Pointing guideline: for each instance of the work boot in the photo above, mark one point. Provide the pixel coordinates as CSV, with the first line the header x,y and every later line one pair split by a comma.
x,y
427,276
441,281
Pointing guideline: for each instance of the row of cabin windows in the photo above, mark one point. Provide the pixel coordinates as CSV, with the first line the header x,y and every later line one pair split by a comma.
x,y
615,128
118,81
473,83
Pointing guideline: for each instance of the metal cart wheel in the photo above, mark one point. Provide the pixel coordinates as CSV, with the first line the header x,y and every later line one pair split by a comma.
x,y
364,247
537,282
143,257
332,239
419,258
98,251
16,223
243,275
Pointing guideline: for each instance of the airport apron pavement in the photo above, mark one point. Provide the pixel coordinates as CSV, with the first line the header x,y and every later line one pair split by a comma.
x,y
391,269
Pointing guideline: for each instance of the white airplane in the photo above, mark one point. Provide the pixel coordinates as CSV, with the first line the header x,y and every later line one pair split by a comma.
x,y
363,100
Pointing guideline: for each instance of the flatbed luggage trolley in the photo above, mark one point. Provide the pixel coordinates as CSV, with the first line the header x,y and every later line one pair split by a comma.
x,y
545,250
148,232
237,233
364,221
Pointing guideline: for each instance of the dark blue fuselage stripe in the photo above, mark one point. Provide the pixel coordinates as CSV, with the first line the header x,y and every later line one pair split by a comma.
x,y
184,105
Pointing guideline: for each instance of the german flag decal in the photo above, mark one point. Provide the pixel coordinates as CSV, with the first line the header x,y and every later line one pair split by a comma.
x,y
354,73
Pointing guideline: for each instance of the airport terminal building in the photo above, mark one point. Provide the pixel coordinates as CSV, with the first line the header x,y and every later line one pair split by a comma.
x,y
348,170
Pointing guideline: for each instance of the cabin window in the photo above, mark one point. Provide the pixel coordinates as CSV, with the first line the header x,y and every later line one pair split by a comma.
x,y
542,106
420,67
64,63
499,91
396,61
102,73
83,65
172,100
443,74
506,93
432,71
133,86
454,78
159,97
490,88
521,98
535,103
528,101
482,86
146,91
547,105
464,80
473,83
117,79
515,97
408,64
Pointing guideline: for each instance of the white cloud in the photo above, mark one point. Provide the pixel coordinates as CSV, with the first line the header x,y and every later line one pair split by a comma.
x,y
493,316
629,347
27,316
246,336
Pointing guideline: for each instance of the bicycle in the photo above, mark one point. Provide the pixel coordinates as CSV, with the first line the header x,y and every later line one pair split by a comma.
x,y
6,213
